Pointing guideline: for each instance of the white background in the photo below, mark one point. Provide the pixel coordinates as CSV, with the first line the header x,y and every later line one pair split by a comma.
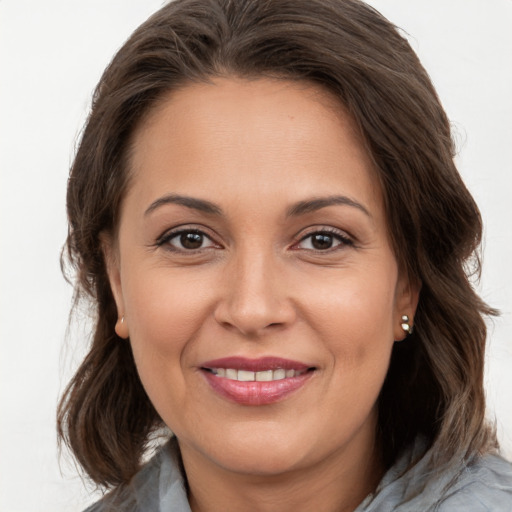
x,y
52,53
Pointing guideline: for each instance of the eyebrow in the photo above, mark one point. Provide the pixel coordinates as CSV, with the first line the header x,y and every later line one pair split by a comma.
x,y
297,209
315,204
190,202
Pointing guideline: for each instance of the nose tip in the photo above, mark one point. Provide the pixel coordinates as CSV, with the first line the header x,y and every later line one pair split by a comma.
x,y
250,319
255,301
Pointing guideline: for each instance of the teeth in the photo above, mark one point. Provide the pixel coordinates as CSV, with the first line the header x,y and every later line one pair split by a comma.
x,y
279,374
231,374
248,376
264,376
245,376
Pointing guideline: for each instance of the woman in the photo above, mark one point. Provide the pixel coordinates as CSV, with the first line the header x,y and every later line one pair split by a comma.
x,y
265,211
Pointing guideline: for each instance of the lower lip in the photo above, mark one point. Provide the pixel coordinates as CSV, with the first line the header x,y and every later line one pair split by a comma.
x,y
255,392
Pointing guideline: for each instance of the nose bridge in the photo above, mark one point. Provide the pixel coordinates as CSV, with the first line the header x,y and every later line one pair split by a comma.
x,y
255,295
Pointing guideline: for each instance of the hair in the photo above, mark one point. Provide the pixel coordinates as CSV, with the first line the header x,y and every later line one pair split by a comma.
x,y
434,386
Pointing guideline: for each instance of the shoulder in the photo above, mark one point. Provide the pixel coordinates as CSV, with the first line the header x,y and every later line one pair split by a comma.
x,y
159,485
411,485
129,498
483,486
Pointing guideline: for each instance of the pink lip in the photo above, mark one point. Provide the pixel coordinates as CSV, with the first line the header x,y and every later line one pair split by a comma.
x,y
256,365
254,392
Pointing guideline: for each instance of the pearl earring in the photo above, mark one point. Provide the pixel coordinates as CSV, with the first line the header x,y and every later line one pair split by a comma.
x,y
121,328
405,325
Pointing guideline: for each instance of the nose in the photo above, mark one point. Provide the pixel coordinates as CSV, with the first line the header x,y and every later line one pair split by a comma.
x,y
255,296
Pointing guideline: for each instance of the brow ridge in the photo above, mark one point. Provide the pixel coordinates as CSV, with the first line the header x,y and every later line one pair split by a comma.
x,y
189,202
317,203
297,209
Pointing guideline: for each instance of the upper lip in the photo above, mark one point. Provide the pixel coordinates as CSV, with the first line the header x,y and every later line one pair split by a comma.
x,y
256,365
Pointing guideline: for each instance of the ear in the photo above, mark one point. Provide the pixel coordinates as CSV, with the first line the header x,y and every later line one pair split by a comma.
x,y
406,301
111,258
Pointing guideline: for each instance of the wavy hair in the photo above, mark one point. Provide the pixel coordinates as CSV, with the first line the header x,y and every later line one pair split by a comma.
x,y
434,385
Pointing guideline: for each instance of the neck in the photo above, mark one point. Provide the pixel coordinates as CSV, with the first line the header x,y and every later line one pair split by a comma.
x,y
335,484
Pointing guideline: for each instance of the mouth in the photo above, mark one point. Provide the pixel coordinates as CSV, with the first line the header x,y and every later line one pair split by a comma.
x,y
261,376
256,381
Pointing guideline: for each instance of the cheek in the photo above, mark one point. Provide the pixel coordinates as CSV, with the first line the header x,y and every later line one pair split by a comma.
x,y
354,317
355,307
164,314
163,308
355,321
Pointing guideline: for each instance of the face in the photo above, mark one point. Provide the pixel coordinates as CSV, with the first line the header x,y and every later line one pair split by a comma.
x,y
254,272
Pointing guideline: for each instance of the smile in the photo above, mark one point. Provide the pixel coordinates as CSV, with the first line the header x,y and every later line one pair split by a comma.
x,y
261,376
256,381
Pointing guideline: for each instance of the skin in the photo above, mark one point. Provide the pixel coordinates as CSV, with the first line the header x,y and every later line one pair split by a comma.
x,y
257,286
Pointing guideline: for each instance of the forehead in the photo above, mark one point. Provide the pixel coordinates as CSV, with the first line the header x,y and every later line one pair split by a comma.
x,y
255,137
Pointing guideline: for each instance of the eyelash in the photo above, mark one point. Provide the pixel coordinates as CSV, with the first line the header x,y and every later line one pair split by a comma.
x,y
166,238
331,232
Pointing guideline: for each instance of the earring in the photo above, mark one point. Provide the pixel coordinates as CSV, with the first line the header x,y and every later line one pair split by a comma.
x,y
121,328
405,325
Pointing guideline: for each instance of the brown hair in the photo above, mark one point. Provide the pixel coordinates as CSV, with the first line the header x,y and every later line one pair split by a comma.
x,y
434,386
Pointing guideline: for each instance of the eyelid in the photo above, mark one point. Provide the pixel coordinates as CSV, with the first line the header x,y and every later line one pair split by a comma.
x,y
169,234
342,236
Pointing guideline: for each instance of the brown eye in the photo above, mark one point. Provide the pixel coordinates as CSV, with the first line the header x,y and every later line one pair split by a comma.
x,y
322,241
187,240
191,240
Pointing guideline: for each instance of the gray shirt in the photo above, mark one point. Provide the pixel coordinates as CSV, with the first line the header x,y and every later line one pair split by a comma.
x,y
483,486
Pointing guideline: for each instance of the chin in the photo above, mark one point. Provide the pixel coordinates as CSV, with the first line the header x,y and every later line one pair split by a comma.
x,y
261,461
259,449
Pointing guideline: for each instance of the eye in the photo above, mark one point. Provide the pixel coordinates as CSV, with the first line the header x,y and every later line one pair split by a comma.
x,y
323,241
187,240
